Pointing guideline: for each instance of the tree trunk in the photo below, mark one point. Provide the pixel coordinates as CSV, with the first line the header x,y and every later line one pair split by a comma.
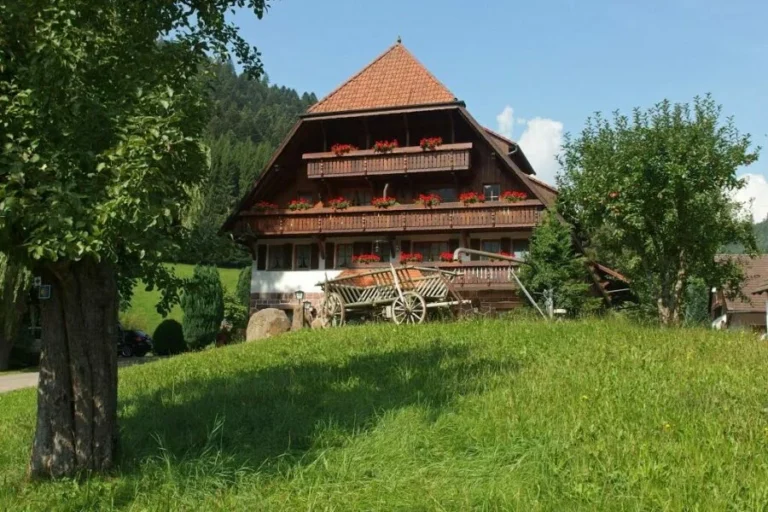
x,y
77,393
671,301
5,352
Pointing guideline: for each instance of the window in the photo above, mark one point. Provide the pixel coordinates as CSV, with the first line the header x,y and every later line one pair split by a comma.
x,y
279,257
307,196
492,191
430,250
520,248
344,255
303,257
490,246
359,197
447,194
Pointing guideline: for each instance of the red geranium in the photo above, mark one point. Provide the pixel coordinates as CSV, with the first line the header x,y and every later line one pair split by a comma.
x,y
366,258
446,256
429,200
385,146
416,257
338,203
299,204
383,202
342,149
265,206
428,143
513,196
471,198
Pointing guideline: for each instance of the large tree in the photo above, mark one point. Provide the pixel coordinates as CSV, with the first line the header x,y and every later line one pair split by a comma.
x,y
100,126
653,192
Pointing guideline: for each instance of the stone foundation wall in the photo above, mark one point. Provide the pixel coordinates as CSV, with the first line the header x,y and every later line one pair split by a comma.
x,y
282,300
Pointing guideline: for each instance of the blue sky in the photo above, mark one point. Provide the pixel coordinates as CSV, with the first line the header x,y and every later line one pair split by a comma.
x,y
539,68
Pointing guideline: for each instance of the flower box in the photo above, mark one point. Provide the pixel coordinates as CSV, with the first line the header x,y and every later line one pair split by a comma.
x,y
430,143
411,257
338,203
299,204
385,146
265,206
446,256
366,258
429,200
513,196
471,198
342,149
384,202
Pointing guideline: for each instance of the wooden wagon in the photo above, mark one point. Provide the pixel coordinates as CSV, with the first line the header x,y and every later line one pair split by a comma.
x,y
402,294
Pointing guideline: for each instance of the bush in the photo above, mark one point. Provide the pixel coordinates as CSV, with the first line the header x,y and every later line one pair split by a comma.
x,y
243,292
169,338
235,312
203,306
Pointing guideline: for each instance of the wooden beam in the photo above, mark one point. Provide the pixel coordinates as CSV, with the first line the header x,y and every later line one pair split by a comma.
x,y
407,131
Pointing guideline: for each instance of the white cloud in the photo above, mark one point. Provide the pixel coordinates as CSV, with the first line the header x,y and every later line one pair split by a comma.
x,y
506,121
541,143
520,120
755,195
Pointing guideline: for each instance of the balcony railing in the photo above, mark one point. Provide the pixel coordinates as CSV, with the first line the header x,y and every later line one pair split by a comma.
x,y
448,157
474,274
401,218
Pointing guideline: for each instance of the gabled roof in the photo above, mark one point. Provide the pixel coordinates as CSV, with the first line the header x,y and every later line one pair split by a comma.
x,y
756,275
394,79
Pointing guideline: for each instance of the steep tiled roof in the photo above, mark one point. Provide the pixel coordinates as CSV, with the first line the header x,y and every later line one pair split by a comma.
x,y
756,273
394,79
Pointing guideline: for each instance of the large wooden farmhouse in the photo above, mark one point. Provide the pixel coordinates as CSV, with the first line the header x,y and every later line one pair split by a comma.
x,y
390,166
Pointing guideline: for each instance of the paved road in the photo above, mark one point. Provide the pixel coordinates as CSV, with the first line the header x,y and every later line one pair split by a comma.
x,y
29,379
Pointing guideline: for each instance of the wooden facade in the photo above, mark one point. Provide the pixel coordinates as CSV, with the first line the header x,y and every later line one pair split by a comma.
x,y
307,243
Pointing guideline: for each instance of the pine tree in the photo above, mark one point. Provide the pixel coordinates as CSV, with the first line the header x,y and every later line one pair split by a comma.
x,y
552,265
203,306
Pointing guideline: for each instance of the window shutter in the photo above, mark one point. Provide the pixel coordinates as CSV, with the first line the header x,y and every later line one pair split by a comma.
x,y
287,256
474,243
330,255
314,259
261,257
506,245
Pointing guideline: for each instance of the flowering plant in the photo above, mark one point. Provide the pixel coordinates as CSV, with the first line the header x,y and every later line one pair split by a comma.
x,y
265,206
384,201
385,146
429,200
415,257
342,149
446,256
428,143
299,204
513,196
338,203
505,253
471,198
366,258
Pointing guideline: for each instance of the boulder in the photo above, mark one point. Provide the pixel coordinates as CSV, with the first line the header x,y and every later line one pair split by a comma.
x,y
266,323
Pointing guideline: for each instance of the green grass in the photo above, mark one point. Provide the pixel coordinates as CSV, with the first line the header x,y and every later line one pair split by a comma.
x,y
594,415
142,313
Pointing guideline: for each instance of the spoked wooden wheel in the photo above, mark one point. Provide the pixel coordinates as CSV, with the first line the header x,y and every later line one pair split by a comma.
x,y
410,308
332,308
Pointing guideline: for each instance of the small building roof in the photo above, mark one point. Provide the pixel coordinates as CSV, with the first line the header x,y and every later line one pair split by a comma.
x,y
755,282
394,79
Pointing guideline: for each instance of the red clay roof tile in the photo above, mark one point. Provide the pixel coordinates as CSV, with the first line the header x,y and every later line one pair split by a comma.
x,y
394,79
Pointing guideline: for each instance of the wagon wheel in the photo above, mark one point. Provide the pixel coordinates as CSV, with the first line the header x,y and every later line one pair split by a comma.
x,y
409,308
332,308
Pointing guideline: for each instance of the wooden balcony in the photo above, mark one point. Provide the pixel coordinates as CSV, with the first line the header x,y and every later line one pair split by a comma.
x,y
475,275
448,157
401,218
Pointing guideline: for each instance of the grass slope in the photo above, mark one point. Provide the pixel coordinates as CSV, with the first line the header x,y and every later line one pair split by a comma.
x,y
492,415
142,313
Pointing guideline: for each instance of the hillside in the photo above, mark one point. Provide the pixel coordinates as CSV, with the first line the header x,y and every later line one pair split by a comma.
x,y
494,415
761,233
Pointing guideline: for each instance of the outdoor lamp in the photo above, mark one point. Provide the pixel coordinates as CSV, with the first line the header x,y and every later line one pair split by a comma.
x,y
307,305
299,295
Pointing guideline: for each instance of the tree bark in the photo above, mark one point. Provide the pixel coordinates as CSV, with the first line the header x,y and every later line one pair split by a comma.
x,y
77,393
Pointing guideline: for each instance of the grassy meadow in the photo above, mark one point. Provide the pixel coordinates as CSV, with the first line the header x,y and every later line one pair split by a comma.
x,y
492,415
142,313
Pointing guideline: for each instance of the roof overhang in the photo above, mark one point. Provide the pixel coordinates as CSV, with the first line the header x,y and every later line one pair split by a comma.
x,y
309,116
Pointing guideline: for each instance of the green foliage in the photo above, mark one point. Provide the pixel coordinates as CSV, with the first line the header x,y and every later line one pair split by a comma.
x,y
552,265
102,127
15,281
761,234
697,302
653,194
203,306
168,338
235,312
243,291
584,415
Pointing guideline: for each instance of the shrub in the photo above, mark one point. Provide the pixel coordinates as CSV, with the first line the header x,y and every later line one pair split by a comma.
x,y
243,292
203,306
169,338
235,312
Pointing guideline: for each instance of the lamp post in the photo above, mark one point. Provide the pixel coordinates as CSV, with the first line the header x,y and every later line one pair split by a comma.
x,y
298,311
307,312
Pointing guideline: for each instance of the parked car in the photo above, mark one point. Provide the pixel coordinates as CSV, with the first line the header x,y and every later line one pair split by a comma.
x,y
134,343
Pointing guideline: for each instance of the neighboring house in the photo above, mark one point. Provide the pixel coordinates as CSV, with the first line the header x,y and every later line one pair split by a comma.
x,y
394,98
748,311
